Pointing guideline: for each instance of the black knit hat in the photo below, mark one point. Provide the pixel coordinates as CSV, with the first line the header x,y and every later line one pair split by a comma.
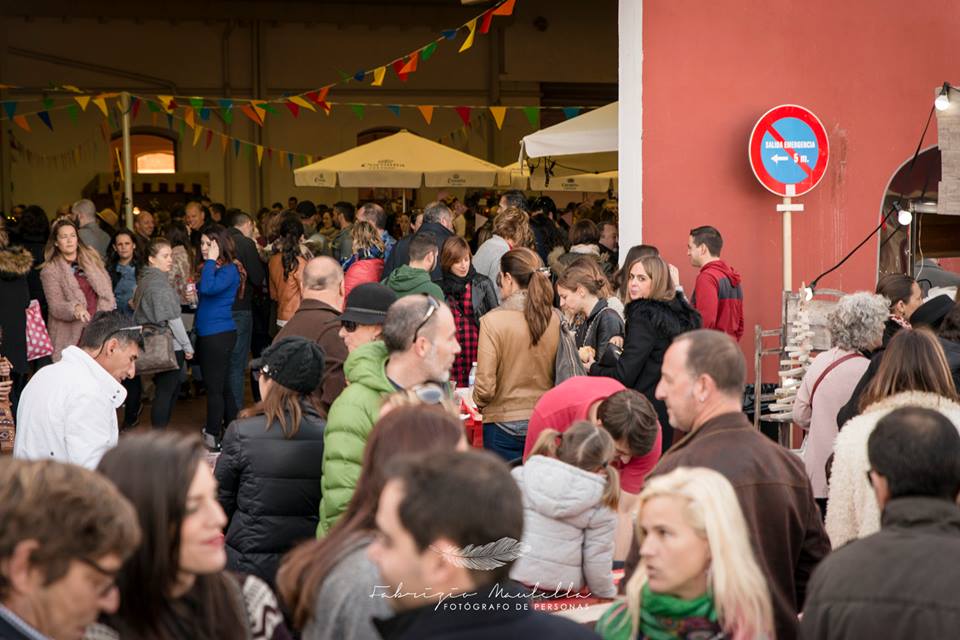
x,y
294,362
368,303
306,209
932,312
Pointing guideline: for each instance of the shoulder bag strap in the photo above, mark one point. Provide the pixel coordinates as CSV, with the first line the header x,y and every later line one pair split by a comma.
x,y
833,365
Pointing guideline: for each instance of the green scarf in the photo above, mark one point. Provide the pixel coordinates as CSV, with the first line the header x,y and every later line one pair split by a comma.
x,y
664,617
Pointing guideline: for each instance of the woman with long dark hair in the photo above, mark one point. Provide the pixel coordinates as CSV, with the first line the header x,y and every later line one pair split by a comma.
x,y
174,586
124,259
327,583
221,283
517,352
156,302
268,472
656,313
75,283
470,296
286,268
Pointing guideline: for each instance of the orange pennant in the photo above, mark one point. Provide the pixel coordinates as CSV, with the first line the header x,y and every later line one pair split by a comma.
x,y
21,121
250,113
189,118
427,112
411,64
499,113
505,9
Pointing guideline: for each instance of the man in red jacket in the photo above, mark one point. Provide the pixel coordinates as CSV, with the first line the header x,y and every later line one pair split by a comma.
x,y
717,294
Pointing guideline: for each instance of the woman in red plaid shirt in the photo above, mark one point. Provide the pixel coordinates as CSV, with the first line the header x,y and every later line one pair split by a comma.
x,y
470,295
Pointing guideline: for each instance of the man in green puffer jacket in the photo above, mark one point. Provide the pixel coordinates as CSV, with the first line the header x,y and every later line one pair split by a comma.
x,y
415,277
419,345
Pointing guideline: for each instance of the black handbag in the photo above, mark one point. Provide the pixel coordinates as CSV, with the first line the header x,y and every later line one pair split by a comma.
x,y
158,354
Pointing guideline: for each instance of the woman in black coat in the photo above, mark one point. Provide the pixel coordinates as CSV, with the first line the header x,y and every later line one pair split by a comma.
x,y
656,313
16,263
269,468
470,295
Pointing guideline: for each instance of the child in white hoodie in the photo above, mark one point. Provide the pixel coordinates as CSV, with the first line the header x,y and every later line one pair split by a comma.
x,y
570,497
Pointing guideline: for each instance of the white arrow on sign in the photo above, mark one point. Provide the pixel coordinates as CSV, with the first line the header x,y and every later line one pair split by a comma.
x,y
778,159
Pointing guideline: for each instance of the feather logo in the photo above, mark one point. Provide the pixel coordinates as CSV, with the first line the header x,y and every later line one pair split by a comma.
x,y
486,557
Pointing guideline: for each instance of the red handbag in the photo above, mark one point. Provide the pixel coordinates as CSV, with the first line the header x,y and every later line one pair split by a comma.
x,y
39,344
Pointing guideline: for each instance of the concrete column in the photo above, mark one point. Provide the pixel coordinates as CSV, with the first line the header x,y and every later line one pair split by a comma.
x,y
631,124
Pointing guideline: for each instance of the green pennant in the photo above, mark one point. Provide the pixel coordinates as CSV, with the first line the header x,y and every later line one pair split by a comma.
x,y
428,51
153,107
344,76
357,110
269,108
196,103
47,103
227,115
73,111
533,115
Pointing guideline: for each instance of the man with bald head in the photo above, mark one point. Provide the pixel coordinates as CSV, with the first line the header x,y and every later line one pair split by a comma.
x,y
318,319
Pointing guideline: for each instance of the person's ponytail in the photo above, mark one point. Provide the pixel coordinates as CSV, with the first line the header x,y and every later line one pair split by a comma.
x,y
547,444
539,305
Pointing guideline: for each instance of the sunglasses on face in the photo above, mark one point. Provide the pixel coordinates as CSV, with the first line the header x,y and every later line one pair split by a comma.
x,y
432,306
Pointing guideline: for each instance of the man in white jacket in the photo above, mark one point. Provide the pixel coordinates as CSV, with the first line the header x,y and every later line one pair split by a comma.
x,y
68,410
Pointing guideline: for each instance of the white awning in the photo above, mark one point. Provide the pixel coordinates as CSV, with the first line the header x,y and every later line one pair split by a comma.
x,y
593,132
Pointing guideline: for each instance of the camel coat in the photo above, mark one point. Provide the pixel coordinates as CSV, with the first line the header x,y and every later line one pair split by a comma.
x,y
63,293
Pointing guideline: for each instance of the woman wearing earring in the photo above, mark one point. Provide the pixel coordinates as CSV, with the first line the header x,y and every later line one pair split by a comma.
x,y
698,576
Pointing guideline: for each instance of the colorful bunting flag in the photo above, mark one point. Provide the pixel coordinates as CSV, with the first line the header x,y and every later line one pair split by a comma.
x,y
135,107
464,113
449,34
167,102
188,117
153,106
394,109
487,19
378,75
533,115
411,64
472,26
45,119
269,108
505,9
73,112
47,104
21,121
226,111
10,106
571,112
428,51
83,101
196,103
427,112
250,113
259,155
294,108
196,134
224,140
236,148
359,76
498,113
300,102
357,110
206,146
204,114
398,66
261,112
344,76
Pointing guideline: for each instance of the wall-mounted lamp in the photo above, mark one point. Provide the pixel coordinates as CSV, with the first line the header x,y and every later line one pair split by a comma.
x,y
942,103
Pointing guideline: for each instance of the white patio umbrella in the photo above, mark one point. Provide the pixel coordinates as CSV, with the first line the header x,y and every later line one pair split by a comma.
x,y
593,132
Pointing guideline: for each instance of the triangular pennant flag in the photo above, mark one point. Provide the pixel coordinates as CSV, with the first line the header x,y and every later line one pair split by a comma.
x,y
204,114
411,65
394,109
259,155
359,76
300,102
499,113
73,111
398,66
322,94
101,104
318,97
71,88
485,23
464,113
449,34
269,108
196,103
428,51
357,110
167,102
344,76
196,135
153,106
294,108
135,108
10,106
571,112
45,118
206,146
426,111
378,75
47,104
250,113
533,115
83,101
505,8
260,111
224,140
236,148
189,117
472,26
21,122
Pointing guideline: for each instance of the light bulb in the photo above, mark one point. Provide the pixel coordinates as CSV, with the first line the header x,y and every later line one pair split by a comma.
x,y
904,217
942,103
807,294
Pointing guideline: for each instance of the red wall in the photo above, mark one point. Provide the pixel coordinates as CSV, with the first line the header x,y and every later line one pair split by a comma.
x,y
867,68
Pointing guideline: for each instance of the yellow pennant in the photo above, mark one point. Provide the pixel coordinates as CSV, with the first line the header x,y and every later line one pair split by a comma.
x,y
165,103
83,101
189,117
196,135
261,113
259,155
498,115
223,143
297,100
101,104
378,74
472,25
427,112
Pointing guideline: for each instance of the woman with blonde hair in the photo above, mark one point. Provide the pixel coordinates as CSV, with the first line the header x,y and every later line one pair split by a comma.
x,y
698,576
913,372
656,313
516,352
75,283
366,263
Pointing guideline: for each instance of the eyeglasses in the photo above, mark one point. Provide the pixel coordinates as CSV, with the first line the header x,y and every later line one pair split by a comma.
x,y
432,306
349,325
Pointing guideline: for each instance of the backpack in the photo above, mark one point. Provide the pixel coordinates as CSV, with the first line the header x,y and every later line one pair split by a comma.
x,y
567,364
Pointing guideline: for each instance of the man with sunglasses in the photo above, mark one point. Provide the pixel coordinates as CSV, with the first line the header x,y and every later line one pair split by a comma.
x,y
68,410
419,344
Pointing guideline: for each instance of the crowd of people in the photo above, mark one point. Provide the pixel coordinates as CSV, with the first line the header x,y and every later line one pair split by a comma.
x,y
343,497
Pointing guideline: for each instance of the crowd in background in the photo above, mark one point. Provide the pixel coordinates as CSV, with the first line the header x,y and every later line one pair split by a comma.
x,y
340,498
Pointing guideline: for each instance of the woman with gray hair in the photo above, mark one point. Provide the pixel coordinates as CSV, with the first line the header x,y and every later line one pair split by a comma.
x,y
856,328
